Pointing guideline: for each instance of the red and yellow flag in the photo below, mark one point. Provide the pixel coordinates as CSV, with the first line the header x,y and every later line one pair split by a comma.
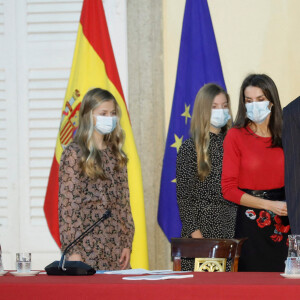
x,y
94,66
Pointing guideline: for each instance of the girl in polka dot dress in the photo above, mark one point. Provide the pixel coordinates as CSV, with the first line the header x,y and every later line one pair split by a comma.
x,y
203,211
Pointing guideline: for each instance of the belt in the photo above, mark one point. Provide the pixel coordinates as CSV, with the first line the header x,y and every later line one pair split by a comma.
x,y
274,194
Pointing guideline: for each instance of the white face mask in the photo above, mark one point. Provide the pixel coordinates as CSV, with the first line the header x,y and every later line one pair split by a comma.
x,y
258,111
105,125
219,117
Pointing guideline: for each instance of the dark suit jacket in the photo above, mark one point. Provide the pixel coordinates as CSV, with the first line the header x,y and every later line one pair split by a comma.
x,y
291,147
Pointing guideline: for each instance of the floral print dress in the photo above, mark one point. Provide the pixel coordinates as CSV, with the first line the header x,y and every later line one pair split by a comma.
x,y
267,244
83,201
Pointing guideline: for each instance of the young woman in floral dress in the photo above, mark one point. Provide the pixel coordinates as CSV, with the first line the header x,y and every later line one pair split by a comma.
x,y
93,179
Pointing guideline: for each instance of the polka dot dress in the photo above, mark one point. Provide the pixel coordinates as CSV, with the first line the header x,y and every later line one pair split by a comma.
x,y
201,204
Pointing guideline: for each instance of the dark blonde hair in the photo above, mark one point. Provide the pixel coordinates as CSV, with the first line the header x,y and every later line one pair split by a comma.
x,y
91,162
200,124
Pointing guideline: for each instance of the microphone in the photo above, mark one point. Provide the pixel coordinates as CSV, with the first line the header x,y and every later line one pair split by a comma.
x,y
64,267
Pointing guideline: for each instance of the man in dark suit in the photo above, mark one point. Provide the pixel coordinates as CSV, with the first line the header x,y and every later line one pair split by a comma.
x,y
291,147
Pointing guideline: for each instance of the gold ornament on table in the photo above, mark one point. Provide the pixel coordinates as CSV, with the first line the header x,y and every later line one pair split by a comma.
x,y
210,265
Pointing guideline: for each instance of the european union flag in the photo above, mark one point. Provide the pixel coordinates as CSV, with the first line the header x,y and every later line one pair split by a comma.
x,y
198,64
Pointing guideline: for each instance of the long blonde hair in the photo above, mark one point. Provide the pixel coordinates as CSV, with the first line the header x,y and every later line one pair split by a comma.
x,y
200,125
91,161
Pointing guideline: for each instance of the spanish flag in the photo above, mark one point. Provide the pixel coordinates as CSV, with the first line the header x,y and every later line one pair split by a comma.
x,y
94,66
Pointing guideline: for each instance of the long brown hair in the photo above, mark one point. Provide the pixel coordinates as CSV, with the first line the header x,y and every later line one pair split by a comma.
x,y
269,89
91,162
200,125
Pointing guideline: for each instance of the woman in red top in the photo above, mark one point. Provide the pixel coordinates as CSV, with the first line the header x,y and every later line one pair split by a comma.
x,y
253,176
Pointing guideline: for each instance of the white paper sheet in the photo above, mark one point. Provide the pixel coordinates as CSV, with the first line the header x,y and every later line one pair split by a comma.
x,y
158,277
139,272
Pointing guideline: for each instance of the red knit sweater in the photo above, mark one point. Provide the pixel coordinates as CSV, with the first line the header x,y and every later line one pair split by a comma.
x,y
248,163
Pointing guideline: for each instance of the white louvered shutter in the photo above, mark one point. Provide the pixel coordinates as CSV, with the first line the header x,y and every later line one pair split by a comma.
x,y
47,32
9,162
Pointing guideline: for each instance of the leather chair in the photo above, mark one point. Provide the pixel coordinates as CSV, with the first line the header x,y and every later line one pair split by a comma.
x,y
206,248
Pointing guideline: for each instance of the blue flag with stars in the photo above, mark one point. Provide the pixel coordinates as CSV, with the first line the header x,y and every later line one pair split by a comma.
x,y
198,64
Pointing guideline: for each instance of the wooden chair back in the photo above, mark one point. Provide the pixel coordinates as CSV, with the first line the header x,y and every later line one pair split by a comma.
x,y
204,248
